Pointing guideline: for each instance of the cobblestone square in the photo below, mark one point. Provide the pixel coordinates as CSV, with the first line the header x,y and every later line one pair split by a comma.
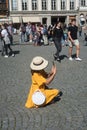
x,y
70,113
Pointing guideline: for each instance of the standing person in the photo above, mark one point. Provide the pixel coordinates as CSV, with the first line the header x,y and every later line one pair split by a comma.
x,y
73,40
80,30
6,40
57,36
40,80
1,42
22,32
10,31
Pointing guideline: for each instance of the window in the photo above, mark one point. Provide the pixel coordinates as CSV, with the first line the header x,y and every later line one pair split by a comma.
x,y
14,5
71,4
63,4
44,4
2,1
53,4
24,4
83,2
34,4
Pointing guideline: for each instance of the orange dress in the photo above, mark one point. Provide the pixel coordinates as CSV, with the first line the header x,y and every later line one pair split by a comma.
x,y
38,82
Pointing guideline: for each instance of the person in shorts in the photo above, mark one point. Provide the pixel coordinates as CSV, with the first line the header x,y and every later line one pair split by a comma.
x,y
73,40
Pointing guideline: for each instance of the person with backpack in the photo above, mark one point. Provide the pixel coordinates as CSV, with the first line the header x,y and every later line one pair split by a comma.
x,y
6,41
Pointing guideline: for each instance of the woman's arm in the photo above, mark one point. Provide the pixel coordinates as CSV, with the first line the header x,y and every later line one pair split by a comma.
x,y
51,75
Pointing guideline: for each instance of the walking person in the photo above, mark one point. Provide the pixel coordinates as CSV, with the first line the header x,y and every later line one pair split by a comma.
x,y
73,40
6,41
57,36
10,31
40,80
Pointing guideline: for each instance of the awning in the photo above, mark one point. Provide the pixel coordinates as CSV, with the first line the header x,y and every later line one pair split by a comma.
x,y
31,19
5,20
15,19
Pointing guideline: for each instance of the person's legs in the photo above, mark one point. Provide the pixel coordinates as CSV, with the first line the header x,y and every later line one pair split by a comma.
x,y
6,50
77,50
58,48
70,50
11,51
2,45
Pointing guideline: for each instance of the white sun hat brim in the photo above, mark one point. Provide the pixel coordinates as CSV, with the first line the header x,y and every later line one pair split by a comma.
x,y
38,63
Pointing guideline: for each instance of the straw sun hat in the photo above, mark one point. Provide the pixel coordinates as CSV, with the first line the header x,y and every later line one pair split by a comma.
x,y
38,63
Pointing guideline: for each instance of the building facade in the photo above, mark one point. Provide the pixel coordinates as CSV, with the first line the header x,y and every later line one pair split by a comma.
x,y
46,11
4,9
83,12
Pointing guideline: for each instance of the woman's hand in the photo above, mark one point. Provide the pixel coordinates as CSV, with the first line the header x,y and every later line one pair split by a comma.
x,y
53,70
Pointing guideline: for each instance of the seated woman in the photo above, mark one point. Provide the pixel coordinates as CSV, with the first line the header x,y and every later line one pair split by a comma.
x,y
40,79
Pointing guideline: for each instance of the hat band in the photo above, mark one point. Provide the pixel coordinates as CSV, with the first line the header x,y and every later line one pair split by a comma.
x,y
38,63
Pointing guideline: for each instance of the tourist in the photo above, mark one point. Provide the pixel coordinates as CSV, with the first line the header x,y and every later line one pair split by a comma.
x,y
57,36
40,80
73,40
6,40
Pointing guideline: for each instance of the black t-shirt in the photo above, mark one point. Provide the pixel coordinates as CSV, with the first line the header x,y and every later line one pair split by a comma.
x,y
73,31
58,33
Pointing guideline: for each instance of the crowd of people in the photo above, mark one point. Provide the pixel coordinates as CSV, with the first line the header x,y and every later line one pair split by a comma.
x,y
37,34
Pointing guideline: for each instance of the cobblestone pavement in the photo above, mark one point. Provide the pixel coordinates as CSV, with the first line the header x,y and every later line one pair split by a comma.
x,y
70,113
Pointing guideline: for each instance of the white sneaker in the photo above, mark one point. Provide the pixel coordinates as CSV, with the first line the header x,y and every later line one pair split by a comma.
x,y
78,59
30,41
6,56
13,55
70,58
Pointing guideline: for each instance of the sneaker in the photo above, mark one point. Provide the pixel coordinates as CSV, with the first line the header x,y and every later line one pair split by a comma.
x,y
55,57
13,55
58,60
30,41
70,58
78,59
6,56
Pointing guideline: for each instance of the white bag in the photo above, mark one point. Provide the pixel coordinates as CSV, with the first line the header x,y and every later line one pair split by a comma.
x,y
38,98
7,40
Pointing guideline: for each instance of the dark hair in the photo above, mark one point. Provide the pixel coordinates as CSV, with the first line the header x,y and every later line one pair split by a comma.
x,y
73,20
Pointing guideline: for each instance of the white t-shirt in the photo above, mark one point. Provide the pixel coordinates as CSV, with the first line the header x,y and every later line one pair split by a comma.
x,y
4,33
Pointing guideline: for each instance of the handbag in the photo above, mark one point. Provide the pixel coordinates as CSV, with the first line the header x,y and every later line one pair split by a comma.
x,y
38,98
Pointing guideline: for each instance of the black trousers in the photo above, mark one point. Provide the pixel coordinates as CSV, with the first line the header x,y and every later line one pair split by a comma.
x,y
7,46
58,46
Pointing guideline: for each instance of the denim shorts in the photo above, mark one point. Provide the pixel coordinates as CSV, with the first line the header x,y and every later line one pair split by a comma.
x,y
76,43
